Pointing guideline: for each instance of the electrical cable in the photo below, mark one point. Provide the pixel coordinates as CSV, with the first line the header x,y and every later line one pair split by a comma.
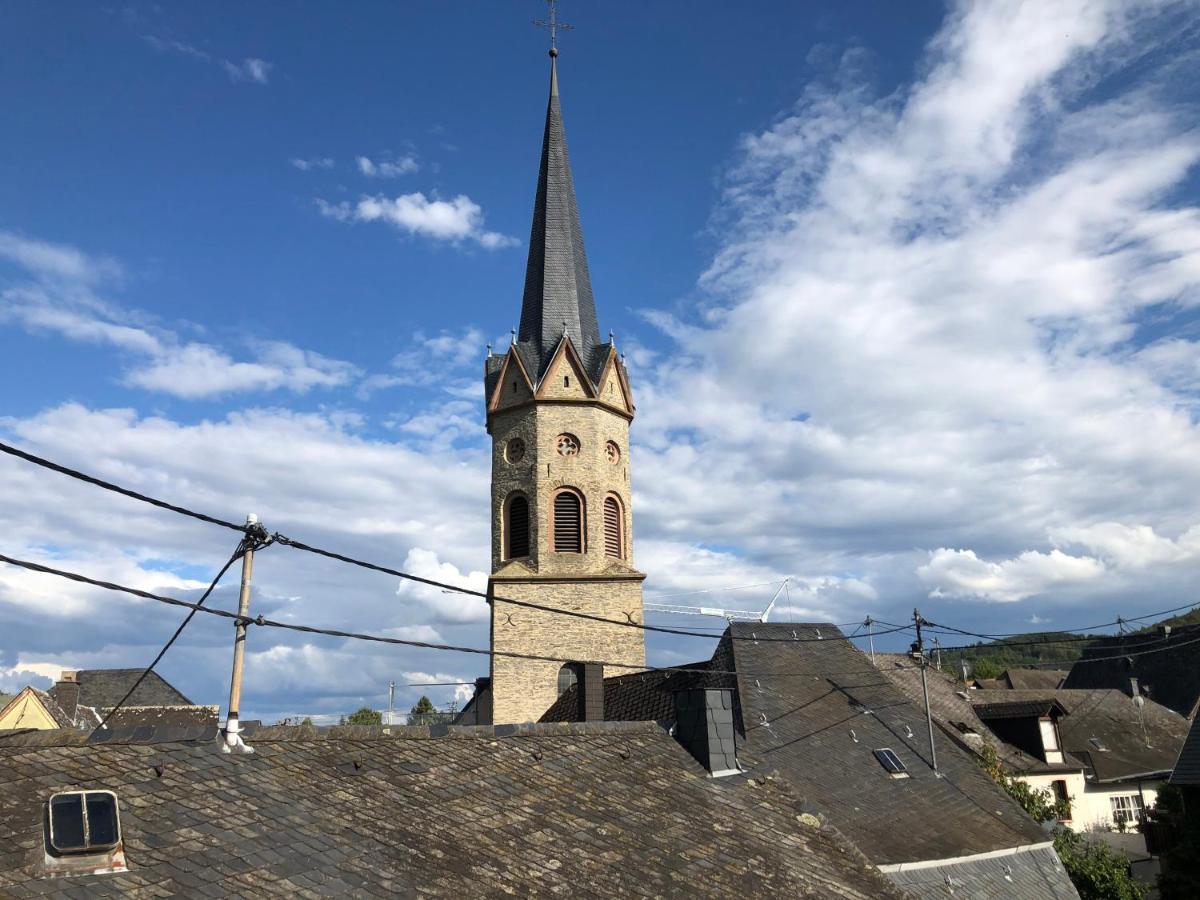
x,y
299,545
381,639
491,598
238,553
109,486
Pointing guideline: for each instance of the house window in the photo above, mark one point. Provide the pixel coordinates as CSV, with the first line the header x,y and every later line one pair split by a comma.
x,y
1126,808
568,677
1051,752
568,522
83,822
891,762
516,527
1059,788
613,544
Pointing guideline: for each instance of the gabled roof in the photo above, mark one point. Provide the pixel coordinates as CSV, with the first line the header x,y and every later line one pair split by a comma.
x,y
1170,677
815,710
104,688
1032,707
558,289
950,703
1034,679
1139,742
608,809
1187,767
639,696
820,731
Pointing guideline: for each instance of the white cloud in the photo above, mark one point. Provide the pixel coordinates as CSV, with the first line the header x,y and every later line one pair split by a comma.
x,y
449,605
387,168
457,220
960,573
249,69
195,370
917,332
308,165
1131,546
57,295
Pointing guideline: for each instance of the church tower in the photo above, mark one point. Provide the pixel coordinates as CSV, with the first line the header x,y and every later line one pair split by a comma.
x,y
558,411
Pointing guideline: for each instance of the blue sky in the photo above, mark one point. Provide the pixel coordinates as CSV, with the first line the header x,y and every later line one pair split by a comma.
x,y
909,296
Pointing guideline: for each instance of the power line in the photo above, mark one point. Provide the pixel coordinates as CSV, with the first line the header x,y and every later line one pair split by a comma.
x,y
1120,620
381,639
492,598
237,554
115,488
299,545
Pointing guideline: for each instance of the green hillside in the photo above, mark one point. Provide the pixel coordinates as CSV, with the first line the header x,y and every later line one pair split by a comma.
x,y
988,659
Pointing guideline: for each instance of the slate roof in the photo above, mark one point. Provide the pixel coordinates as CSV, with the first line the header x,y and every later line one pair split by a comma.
x,y
585,810
558,288
953,711
1030,872
1111,716
815,710
1170,677
104,688
638,697
809,740
1187,767
1034,679
1036,707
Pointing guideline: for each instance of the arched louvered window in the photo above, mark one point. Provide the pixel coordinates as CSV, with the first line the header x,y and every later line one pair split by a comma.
x,y
568,522
568,677
613,522
516,527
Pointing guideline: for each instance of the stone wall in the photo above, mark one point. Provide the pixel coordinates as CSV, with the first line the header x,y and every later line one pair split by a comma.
x,y
524,689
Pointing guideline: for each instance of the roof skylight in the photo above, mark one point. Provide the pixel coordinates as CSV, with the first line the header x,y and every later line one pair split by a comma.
x,y
891,762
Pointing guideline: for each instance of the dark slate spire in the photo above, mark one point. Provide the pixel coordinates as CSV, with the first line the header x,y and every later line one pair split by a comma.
x,y
558,290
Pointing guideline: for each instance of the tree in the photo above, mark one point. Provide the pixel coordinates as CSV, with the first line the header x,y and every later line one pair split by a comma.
x,y
1040,804
1097,872
364,716
423,707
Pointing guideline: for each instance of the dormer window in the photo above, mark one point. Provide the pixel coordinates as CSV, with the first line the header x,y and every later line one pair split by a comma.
x,y
891,762
1051,749
84,822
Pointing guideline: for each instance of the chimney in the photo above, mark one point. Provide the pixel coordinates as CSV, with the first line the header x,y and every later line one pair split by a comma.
x,y
591,692
483,701
704,725
66,693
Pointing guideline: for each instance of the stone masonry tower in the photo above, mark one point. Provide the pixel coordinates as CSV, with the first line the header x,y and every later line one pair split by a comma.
x,y
558,410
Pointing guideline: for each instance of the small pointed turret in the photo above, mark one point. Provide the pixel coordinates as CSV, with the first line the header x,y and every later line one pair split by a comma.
x,y
558,289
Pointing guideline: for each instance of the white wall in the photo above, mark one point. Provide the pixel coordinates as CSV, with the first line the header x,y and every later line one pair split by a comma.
x,y
1091,808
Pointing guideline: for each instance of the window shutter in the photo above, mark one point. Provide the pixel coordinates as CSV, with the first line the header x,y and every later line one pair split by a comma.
x,y
612,527
518,528
568,523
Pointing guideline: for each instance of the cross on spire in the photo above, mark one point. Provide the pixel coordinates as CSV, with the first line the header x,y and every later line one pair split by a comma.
x,y
553,25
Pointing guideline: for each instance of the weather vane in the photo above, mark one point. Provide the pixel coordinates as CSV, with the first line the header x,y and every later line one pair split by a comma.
x,y
553,25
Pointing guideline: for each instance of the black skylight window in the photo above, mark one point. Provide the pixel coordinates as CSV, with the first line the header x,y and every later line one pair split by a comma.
x,y
1098,744
84,821
891,762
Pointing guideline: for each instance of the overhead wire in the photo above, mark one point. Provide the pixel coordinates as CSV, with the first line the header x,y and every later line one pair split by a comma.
x,y
264,622
419,579
238,553
278,538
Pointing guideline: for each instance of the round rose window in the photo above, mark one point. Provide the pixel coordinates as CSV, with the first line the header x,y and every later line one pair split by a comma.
x,y
567,445
514,451
612,452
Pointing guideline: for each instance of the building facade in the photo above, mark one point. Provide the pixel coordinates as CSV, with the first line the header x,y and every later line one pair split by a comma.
x,y
559,408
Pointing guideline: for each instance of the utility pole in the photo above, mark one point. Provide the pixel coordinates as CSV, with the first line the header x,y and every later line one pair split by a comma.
x,y
918,653
937,651
233,742
391,719
871,637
